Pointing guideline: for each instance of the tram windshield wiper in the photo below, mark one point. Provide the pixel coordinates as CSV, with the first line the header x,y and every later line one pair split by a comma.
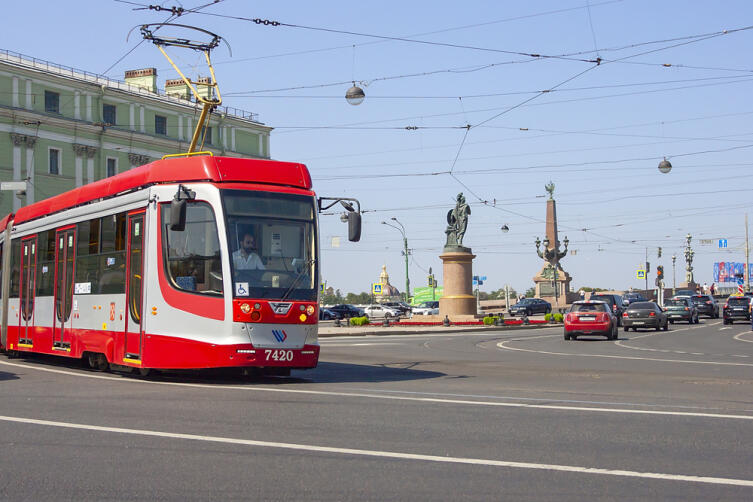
x,y
306,264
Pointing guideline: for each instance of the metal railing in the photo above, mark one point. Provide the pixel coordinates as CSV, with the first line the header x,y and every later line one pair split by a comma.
x,y
68,71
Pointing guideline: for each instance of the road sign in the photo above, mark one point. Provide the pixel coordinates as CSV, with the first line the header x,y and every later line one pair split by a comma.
x,y
640,274
722,243
376,288
483,278
13,185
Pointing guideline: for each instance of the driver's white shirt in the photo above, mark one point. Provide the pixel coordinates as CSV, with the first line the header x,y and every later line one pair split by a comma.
x,y
250,262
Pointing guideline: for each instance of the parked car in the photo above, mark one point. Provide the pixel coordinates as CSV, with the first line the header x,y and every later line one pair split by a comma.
x,y
427,308
614,302
530,306
378,310
629,298
403,308
736,308
706,305
644,315
681,308
326,314
587,317
345,310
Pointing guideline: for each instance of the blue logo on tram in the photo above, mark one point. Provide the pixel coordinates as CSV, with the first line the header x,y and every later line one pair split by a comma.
x,y
280,335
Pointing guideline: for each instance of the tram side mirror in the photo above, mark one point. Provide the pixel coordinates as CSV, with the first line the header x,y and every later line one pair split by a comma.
x,y
178,214
354,226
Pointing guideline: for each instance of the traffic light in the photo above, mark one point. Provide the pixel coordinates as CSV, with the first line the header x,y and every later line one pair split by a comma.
x,y
660,272
658,252
431,280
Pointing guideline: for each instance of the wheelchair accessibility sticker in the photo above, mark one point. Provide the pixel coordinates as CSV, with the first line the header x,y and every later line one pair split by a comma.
x,y
241,289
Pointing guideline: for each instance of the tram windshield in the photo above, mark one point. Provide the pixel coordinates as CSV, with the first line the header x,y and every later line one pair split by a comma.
x,y
272,242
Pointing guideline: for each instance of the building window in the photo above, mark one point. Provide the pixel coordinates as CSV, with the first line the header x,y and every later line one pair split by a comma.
x,y
108,114
112,167
208,135
54,162
51,102
160,125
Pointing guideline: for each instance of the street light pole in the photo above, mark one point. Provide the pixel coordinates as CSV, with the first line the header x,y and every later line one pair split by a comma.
x,y
674,284
401,229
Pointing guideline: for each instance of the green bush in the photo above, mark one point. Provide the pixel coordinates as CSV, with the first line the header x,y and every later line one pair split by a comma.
x,y
359,321
558,317
489,320
547,317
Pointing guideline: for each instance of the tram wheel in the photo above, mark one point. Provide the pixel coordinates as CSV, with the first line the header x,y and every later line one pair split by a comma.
x,y
144,372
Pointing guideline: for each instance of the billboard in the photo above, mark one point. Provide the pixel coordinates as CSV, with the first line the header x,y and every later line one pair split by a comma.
x,y
728,271
425,294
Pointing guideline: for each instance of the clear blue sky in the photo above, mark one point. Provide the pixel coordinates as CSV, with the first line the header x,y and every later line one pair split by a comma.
x,y
599,137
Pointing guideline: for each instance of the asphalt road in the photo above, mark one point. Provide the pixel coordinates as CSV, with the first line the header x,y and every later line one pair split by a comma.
x,y
517,415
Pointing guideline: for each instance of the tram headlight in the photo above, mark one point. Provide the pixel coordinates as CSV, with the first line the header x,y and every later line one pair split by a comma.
x,y
310,310
245,308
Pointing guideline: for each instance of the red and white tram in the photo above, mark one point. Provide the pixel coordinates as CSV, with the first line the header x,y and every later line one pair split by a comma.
x,y
191,262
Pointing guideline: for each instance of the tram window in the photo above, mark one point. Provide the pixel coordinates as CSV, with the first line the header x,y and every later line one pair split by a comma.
x,y
15,267
46,263
192,256
113,233
88,237
1,261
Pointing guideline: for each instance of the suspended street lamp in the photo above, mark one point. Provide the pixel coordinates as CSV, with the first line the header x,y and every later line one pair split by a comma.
x,y
665,166
355,95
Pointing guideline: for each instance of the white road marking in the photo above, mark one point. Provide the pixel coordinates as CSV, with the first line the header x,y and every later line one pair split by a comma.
x,y
502,345
739,338
366,395
361,344
388,454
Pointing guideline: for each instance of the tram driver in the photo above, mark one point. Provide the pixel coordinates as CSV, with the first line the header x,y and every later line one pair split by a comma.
x,y
245,257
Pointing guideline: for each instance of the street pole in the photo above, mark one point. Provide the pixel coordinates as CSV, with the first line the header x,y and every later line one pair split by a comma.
x,y
556,293
674,283
645,275
401,229
407,278
747,256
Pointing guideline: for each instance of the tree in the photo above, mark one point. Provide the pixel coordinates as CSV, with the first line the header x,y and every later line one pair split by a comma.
x,y
359,298
530,292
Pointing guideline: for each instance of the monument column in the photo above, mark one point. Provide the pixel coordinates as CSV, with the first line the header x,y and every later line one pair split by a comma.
x,y
457,271
457,262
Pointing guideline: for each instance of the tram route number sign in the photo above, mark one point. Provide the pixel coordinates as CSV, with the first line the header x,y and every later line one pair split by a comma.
x,y
640,274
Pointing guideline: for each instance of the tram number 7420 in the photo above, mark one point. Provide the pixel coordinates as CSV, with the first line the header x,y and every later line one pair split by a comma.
x,y
278,355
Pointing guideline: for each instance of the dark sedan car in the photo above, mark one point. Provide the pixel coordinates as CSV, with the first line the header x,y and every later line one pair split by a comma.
x,y
530,306
630,298
326,314
344,311
706,305
737,308
681,309
644,315
614,302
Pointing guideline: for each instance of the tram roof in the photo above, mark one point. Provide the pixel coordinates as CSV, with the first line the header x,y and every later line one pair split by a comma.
x,y
4,222
175,170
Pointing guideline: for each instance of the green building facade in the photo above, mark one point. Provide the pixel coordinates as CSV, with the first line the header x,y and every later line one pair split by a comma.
x,y
61,128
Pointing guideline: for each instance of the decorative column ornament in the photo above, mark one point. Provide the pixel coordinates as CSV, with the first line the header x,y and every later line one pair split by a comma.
x,y
17,139
91,151
30,141
137,159
79,150
689,253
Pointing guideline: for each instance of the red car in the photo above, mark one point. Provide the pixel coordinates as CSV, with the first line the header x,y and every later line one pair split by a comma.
x,y
590,318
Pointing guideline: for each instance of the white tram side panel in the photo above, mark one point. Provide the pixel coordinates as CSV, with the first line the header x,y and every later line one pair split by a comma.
x,y
177,305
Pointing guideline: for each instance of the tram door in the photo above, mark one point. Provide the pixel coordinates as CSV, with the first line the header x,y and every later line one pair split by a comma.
x,y
26,291
65,250
134,286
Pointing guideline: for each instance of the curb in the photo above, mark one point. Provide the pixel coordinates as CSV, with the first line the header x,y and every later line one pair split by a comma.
x,y
401,330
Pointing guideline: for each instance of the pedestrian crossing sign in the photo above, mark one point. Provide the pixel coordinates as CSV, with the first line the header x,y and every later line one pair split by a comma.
x,y
376,288
640,274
